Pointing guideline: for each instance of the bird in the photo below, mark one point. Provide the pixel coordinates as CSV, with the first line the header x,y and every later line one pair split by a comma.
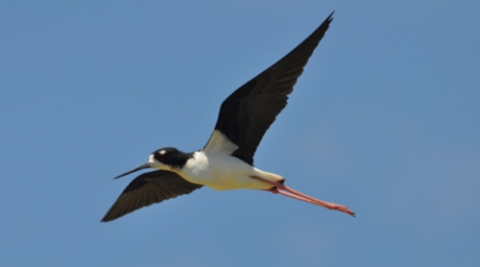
x,y
226,161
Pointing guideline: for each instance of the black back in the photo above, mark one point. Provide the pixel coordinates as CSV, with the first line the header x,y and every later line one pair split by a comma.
x,y
248,112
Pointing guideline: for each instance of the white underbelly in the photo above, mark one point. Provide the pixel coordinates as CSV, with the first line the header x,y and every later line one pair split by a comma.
x,y
225,173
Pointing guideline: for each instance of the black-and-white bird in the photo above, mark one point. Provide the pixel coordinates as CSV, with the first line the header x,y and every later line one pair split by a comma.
x,y
226,162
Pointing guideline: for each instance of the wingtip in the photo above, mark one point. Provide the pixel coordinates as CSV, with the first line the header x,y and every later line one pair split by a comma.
x,y
330,17
105,219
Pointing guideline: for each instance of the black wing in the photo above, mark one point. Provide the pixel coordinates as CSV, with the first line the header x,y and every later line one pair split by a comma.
x,y
248,112
149,188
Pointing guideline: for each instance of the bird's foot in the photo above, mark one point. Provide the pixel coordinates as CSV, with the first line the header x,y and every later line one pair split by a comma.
x,y
341,208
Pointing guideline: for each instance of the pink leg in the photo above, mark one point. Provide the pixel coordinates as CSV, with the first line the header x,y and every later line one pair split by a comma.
x,y
290,192
276,191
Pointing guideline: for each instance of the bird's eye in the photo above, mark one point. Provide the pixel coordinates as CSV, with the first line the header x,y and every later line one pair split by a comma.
x,y
159,155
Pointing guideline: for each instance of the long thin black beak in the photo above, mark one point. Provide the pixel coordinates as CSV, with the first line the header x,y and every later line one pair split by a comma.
x,y
144,166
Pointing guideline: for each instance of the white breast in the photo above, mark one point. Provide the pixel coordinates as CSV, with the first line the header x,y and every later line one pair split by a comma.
x,y
223,172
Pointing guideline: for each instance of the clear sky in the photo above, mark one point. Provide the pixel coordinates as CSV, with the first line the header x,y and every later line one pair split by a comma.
x,y
385,119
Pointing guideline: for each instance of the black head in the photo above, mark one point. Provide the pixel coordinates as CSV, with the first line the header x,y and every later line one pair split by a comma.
x,y
166,158
169,156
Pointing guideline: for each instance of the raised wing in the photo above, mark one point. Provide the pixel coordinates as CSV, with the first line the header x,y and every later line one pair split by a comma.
x,y
248,112
149,188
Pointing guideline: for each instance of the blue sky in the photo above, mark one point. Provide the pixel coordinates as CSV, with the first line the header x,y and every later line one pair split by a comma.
x,y
385,119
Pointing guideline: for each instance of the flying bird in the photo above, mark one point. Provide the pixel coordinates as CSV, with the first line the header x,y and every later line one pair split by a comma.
x,y
226,161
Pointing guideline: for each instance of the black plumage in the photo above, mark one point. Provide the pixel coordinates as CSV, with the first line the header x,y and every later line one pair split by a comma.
x,y
149,188
248,112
